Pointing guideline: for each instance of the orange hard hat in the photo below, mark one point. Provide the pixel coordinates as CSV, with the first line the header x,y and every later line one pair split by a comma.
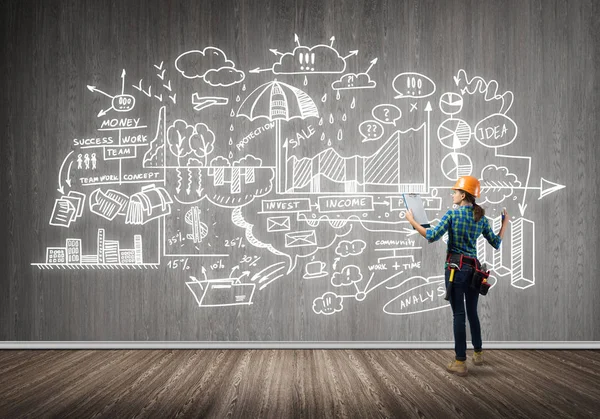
x,y
468,184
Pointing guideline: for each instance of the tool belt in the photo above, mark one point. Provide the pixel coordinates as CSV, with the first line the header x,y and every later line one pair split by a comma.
x,y
480,274
459,260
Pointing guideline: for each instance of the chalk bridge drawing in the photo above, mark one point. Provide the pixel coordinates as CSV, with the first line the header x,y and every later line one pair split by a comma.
x,y
298,206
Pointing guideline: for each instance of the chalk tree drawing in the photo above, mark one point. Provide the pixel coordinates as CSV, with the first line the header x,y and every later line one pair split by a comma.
x,y
252,184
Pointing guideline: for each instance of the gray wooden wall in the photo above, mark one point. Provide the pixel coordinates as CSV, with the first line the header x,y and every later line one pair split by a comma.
x,y
64,62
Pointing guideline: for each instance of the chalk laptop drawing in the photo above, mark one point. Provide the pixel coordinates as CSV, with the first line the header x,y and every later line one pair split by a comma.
x,y
415,203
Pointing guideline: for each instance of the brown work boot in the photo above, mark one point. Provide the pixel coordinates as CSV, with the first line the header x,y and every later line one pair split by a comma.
x,y
457,367
478,358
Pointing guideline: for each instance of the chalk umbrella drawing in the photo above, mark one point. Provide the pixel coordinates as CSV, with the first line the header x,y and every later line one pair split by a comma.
x,y
277,101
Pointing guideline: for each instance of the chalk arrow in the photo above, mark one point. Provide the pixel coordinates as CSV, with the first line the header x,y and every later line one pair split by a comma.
x,y
296,40
94,89
123,81
522,208
351,54
331,41
548,187
428,109
274,51
244,273
60,187
373,62
139,86
159,67
259,70
167,86
103,112
409,232
69,174
204,273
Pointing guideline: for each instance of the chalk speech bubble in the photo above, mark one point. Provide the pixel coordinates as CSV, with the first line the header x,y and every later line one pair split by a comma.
x,y
123,103
496,130
414,85
387,114
370,130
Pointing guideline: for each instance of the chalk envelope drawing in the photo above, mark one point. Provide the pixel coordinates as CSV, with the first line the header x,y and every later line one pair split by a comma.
x,y
275,224
301,238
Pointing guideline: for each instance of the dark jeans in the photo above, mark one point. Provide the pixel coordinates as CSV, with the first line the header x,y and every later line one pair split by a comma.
x,y
461,292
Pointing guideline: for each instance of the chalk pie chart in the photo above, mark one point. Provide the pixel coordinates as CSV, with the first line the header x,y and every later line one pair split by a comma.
x,y
451,103
455,165
454,133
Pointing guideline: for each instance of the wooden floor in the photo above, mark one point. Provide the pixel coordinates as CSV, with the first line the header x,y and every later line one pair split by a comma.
x,y
297,383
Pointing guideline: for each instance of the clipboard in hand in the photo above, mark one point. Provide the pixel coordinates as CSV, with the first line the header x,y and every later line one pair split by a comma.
x,y
415,203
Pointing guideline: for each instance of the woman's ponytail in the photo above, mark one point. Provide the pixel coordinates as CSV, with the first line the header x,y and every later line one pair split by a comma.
x,y
478,212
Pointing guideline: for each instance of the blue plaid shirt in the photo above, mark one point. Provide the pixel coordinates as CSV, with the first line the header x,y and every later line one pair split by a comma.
x,y
463,231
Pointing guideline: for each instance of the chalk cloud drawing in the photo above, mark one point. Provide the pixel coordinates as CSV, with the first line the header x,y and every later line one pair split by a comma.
x,y
497,183
353,81
329,303
211,65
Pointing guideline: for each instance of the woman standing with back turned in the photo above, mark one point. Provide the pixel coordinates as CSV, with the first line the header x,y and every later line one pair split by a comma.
x,y
464,225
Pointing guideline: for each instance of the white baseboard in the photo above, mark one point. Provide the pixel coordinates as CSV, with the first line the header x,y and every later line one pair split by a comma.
x,y
289,345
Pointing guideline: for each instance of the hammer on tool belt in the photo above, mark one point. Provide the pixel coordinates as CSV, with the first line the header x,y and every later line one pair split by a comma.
x,y
453,267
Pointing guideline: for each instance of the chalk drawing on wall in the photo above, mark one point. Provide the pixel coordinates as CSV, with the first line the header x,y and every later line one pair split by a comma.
x,y
265,181
210,65
109,254
353,81
318,59
221,292
413,85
